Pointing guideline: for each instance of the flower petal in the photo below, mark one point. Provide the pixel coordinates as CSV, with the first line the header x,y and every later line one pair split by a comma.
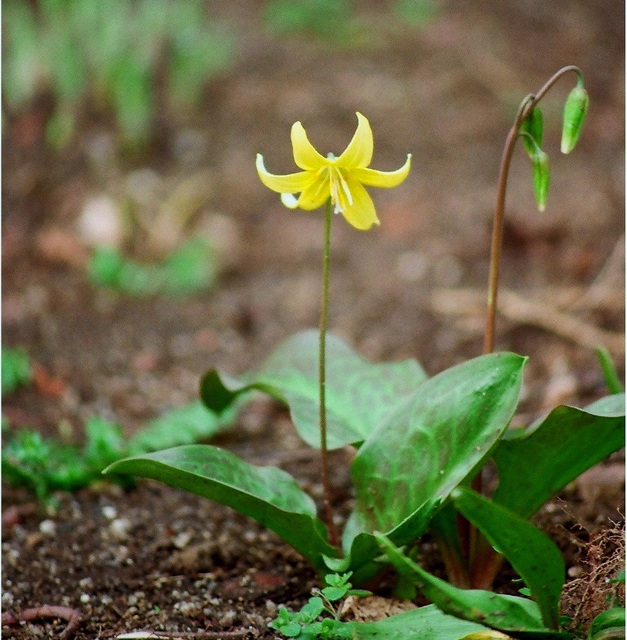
x,y
289,200
361,213
374,178
315,194
358,153
290,183
305,155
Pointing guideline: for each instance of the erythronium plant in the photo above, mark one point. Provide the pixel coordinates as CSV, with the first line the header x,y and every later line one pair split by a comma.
x,y
421,443
338,182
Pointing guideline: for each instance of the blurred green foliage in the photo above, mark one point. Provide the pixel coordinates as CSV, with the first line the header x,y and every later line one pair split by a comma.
x,y
192,268
16,369
334,20
416,12
325,19
45,465
116,54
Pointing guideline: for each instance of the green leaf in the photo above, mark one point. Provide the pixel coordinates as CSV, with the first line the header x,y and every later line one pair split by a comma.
x,y
537,462
104,443
191,268
16,369
608,625
610,375
312,610
286,623
433,442
335,593
416,12
133,97
360,395
530,552
502,612
184,425
267,494
22,63
425,623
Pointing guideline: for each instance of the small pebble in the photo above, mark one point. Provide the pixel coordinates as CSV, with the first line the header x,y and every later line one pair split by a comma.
x,y
47,527
575,571
101,222
182,539
119,528
109,512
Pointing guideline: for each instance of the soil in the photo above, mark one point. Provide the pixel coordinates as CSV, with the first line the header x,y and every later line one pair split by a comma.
x,y
153,558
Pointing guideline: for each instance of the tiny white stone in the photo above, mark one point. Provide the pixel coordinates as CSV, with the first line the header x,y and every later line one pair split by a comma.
x,y
109,512
182,539
48,527
85,597
101,222
120,527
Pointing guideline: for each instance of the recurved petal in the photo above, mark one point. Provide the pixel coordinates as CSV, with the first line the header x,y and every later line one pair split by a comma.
x,y
289,183
315,194
305,155
358,153
374,178
361,213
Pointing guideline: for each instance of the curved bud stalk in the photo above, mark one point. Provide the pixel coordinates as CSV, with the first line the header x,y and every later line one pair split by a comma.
x,y
575,110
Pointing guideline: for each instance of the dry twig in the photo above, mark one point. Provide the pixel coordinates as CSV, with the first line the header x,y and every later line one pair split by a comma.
x,y
73,617
196,635
533,312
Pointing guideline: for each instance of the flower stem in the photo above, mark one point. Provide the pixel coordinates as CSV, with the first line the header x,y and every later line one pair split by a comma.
x,y
499,214
484,561
326,260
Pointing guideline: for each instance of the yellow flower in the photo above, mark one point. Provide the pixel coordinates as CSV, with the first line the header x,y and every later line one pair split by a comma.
x,y
340,178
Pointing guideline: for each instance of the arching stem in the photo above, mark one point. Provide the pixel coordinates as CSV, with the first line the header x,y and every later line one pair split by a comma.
x,y
499,213
485,562
326,488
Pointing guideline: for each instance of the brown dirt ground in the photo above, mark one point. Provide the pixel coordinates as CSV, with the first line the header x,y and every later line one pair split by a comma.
x,y
154,558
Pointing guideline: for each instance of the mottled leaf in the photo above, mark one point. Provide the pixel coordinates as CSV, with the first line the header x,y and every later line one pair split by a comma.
x,y
267,494
434,441
537,462
502,612
188,424
531,553
360,395
425,623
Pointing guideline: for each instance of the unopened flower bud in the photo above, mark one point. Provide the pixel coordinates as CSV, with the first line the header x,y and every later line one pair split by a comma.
x,y
533,125
541,177
575,110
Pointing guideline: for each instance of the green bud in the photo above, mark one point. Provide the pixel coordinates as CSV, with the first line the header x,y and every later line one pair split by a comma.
x,y
541,177
533,125
575,110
